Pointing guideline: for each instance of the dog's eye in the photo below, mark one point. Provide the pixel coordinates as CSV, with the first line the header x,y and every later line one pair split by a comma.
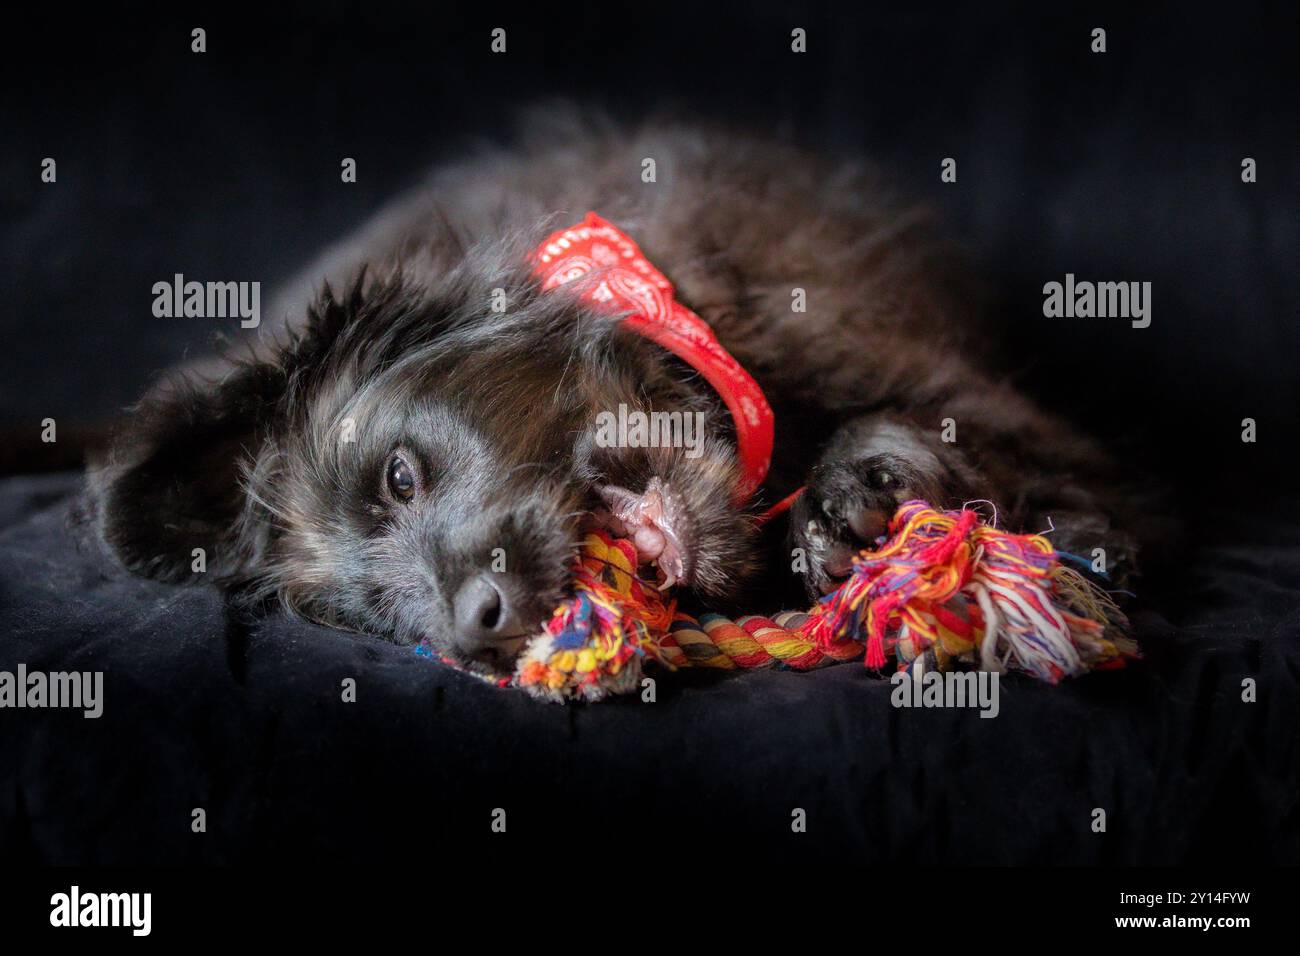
x,y
401,481
885,479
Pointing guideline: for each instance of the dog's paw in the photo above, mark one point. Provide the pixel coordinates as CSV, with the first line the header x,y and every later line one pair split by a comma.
x,y
846,506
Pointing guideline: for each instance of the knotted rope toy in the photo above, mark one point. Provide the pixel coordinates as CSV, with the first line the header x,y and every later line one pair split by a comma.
x,y
945,590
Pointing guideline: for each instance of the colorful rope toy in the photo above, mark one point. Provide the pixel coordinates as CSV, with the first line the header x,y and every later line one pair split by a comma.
x,y
945,590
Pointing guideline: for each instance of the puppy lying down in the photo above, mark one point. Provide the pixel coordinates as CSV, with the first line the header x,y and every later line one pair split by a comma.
x,y
413,451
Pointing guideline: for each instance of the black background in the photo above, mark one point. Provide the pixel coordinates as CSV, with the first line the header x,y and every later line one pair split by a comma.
x,y
1119,166
225,165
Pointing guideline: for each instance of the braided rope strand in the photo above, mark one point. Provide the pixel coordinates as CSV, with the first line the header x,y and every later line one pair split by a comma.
x,y
944,590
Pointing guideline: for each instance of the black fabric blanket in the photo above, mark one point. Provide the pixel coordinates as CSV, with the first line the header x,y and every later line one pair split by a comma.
x,y
247,722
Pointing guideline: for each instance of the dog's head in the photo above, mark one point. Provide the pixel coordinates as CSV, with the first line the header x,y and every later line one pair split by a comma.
x,y
417,462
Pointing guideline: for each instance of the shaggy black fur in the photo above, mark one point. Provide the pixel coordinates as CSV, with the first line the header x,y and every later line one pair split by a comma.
x,y
277,463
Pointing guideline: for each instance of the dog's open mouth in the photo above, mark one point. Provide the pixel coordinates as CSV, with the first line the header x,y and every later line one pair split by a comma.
x,y
656,521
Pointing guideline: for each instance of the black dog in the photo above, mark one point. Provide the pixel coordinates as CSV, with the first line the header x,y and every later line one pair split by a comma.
x,y
408,460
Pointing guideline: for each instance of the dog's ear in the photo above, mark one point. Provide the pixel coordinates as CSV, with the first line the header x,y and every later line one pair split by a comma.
x,y
168,497
172,481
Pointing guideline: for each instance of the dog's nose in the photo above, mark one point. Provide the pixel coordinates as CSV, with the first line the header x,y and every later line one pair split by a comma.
x,y
488,623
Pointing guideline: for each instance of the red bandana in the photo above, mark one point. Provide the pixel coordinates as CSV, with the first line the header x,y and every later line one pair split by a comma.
x,y
619,279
